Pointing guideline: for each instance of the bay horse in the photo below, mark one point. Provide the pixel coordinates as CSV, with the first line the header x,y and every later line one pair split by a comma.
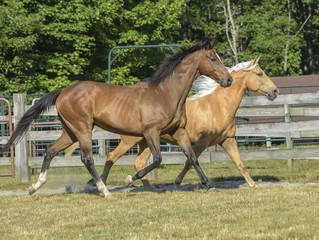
x,y
148,108
210,120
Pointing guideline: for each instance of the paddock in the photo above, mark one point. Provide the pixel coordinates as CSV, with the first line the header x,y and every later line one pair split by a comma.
x,y
244,213
286,107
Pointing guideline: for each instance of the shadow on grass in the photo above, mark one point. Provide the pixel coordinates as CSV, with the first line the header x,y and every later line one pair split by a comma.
x,y
264,178
215,184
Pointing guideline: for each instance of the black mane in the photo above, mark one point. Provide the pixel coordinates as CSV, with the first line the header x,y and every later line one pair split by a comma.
x,y
169,64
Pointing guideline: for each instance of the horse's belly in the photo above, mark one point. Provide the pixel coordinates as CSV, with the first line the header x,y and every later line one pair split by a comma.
x,y
119,125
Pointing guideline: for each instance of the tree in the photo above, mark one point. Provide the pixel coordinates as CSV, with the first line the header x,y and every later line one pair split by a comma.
x,y
141,23
307,15
53,44
264,32
232,41
18,35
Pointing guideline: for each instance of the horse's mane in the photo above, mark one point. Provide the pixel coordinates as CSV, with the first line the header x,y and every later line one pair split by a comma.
x,y
242,66
169,64
204,85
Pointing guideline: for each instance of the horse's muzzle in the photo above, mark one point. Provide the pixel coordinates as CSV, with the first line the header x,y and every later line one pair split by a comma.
x,y
272,94
227,83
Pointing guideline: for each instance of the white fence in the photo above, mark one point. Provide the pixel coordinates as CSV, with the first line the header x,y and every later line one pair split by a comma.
x,y
279,108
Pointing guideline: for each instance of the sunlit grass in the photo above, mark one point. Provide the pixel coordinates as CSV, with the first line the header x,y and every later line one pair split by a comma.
x,y
264,213
262,170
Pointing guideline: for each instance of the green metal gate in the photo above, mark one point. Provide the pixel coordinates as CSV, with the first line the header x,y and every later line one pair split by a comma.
x,y
122,48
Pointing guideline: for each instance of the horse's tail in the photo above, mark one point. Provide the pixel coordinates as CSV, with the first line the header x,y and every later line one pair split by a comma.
x,y
42,105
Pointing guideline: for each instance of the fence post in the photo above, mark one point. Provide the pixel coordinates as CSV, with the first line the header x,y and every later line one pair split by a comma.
x,y
21,160
102,147
288,120
288,136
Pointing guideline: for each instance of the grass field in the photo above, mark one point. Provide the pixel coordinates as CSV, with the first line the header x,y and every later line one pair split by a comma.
x,y
261,213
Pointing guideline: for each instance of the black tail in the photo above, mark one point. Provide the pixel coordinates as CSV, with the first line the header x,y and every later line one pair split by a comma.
x,y
42,105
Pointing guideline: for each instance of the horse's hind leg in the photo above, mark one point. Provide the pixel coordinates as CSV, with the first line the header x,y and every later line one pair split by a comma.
x,y
85,140
52,149
153,141
127,142
182,138
140,162
231,148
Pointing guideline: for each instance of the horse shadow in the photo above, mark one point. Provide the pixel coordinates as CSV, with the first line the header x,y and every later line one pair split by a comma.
x,y
215,184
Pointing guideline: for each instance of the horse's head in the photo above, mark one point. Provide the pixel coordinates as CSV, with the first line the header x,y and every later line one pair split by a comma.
x,y
211,66
257,81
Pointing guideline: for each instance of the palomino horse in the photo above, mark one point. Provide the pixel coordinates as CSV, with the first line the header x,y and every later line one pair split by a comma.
x,y
210,119
149,108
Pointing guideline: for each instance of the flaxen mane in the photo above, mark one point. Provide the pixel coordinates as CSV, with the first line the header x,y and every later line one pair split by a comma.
x,y
204,85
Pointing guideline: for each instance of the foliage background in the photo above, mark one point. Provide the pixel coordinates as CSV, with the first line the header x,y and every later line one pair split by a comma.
x,y
51,44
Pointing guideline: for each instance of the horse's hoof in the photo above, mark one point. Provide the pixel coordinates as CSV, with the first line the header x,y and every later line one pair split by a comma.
x,y
177,183
128,181
110,197
147,185
31,190
207,185
255,185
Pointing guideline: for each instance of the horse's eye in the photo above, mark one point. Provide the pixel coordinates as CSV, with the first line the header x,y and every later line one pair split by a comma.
x,y
213,59
259,74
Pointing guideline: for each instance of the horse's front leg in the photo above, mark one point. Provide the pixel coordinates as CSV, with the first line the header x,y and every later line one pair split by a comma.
x,y
198,149
152,138
182,138
230,146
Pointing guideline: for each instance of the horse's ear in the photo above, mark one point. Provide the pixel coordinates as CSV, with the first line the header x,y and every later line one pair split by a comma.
x,y
257,59
253,62
209,44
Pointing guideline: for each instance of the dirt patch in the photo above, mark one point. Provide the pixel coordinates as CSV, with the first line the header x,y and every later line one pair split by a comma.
x,y
72,188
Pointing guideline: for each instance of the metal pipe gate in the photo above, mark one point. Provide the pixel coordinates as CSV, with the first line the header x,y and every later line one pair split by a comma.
x,y
7,119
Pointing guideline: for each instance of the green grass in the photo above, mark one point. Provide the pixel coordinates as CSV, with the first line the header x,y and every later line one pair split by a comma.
x,y
262,170
264,213
261,213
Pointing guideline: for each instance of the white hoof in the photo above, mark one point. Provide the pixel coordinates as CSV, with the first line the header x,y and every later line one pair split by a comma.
x,y
32,189
128,181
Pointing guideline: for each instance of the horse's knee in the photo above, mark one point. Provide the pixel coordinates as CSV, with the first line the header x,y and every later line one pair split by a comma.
x,y
110,156
49,152
157,161
86,159
193,161
188,165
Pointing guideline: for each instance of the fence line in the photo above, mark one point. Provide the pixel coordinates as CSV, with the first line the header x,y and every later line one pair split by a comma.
x,y
256,104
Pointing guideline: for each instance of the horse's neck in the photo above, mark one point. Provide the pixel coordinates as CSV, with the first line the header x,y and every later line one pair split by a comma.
x,y
230,98
180,82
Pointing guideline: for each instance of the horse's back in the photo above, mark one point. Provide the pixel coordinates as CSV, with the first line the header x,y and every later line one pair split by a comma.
x,y
111,107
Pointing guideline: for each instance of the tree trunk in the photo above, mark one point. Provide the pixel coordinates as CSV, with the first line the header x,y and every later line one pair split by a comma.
x,y
288,40
309,27
233,40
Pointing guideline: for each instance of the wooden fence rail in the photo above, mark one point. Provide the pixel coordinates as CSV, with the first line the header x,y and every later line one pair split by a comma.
x,y
250,107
